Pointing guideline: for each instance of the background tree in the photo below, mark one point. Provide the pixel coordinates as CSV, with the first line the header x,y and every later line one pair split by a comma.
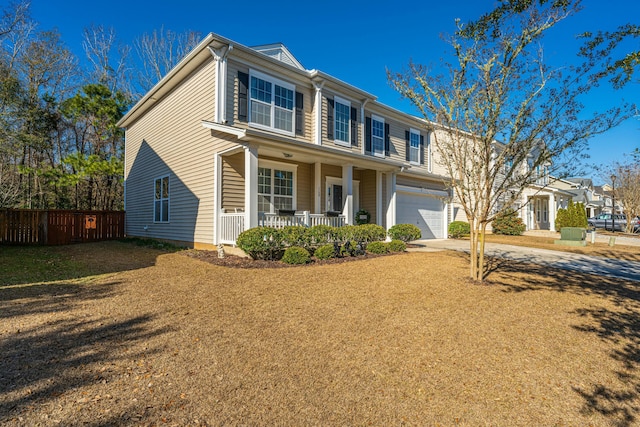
x,y
159,52
500,89
627,189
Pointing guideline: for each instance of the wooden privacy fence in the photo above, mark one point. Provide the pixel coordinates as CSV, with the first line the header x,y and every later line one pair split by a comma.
x,y
59,227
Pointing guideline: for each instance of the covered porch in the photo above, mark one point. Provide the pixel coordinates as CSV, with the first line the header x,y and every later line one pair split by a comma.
x,y
277,185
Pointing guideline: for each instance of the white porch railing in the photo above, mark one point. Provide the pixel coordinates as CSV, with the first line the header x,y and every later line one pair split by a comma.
x,y
232,224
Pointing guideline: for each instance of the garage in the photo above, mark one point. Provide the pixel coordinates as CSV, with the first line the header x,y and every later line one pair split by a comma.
x,y
422,208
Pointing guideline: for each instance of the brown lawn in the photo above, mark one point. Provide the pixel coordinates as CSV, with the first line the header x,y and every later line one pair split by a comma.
x,y
167,339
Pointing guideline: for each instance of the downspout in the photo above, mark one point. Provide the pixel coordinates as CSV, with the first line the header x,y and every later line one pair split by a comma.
x,y
318,107
220,56
362,125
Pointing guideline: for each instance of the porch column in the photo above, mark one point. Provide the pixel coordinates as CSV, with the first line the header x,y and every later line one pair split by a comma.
x,y
217,198
552,212
347,190
379,201
391,200
250,186
317,186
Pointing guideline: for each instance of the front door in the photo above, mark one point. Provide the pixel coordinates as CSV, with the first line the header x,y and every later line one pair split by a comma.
x,y
335,196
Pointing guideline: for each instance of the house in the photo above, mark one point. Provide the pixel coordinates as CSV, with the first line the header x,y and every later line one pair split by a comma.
x,y
235,137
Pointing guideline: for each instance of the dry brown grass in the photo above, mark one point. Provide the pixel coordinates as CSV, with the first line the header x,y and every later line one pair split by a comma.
x,y
402,339
619,251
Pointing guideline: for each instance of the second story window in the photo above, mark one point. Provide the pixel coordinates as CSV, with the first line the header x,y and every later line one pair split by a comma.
x,y
342,116
414,146
377,135
271,103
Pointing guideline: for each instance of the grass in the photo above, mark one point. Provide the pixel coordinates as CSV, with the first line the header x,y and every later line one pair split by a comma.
x,y
147,337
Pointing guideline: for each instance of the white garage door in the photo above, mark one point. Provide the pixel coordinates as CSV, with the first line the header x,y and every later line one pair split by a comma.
x,y
426,212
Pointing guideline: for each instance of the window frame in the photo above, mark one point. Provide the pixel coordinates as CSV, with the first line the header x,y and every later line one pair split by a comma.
x,y
273,108
338,100
284,167
378,119
161,200
414,150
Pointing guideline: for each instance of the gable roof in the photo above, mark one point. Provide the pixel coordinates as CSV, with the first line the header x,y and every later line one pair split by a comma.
x,y
280,52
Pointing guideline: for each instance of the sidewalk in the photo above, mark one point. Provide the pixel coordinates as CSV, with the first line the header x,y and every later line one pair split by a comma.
x,y
555,259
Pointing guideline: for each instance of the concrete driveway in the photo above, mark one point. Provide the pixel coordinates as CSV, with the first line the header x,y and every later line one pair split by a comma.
x,y
555,259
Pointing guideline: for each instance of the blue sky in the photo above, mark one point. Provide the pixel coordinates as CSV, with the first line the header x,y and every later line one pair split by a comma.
x,y
355,41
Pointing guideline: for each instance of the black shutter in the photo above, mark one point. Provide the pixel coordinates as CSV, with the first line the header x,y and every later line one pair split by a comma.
x,y
407,139
299,114
422,149
387,140
330,106
367,133
354,126
243,84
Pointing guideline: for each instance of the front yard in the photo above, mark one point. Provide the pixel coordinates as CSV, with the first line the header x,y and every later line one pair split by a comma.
x,y
113,334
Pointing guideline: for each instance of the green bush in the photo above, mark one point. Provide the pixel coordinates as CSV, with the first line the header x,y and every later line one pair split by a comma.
x,y
397,246
405,232
261,243
575,215
509,223
360,233
457,229
366,217
321,234
296,255
296,235
377,248
325,252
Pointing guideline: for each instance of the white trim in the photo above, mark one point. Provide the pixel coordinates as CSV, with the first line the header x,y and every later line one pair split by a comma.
x,y
332,180
168,199
273,81
287,167
318,109
217,195
240,133
363,125
381,120
413,131
339,100
428,152
423,191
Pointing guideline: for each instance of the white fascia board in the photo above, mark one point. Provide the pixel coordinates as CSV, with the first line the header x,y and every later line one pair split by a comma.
x,y
239,133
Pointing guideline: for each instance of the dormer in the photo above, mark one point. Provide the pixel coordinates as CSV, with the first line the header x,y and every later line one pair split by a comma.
x,y
279,52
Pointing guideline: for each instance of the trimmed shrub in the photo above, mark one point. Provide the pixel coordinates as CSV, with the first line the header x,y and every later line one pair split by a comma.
x,y
509,223
325,252
261,243
396,246
296,235
405,232
296,255
321,234
377,248
457,229
362,217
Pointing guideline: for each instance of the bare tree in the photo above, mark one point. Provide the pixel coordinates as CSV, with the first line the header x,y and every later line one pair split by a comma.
x,y
108,58
159,52
501,113
627,189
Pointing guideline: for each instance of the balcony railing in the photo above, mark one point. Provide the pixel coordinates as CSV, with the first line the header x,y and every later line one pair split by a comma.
x,y
232,224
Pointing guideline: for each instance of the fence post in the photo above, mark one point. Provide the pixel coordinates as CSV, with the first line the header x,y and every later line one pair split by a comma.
x,y
307,218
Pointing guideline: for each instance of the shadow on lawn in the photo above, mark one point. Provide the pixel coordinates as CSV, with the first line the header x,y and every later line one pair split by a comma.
x,y
42,363
619,327
40,264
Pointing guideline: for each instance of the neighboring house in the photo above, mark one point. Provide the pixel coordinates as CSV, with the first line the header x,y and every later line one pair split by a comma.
x,y
236,137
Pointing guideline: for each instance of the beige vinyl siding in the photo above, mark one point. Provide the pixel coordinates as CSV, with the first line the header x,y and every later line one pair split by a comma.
x,y
233,182
368,193
170,140
304,187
